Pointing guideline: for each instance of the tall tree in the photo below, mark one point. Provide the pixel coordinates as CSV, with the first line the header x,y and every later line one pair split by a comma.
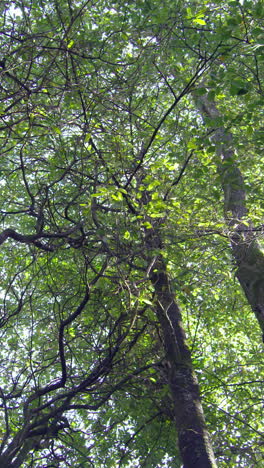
x,y
113,242
246,249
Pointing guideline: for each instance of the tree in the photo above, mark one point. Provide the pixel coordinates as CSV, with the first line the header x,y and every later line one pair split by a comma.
x,y
128,150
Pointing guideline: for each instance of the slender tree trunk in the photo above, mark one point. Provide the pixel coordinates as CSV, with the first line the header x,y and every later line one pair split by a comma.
x,y
246,250
193,439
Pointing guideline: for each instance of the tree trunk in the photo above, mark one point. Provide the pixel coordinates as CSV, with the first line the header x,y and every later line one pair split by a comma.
x,y
246,250
193,439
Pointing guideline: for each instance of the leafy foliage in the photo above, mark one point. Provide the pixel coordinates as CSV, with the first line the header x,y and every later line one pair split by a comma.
x,y
102,143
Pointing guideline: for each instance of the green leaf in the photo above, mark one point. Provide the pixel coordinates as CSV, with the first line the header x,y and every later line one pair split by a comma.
x,y
57,130
70,44
199,21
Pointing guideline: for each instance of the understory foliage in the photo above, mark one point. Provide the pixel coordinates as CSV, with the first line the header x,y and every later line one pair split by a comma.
x,y
102,144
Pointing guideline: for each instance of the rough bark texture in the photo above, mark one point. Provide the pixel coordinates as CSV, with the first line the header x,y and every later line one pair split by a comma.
x,y
246,250
193,439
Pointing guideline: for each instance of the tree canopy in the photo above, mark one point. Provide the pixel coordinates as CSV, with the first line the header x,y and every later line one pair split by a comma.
x,y
132,265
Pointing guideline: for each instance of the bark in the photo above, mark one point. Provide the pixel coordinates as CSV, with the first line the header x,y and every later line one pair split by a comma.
x,y
193,439
245,247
